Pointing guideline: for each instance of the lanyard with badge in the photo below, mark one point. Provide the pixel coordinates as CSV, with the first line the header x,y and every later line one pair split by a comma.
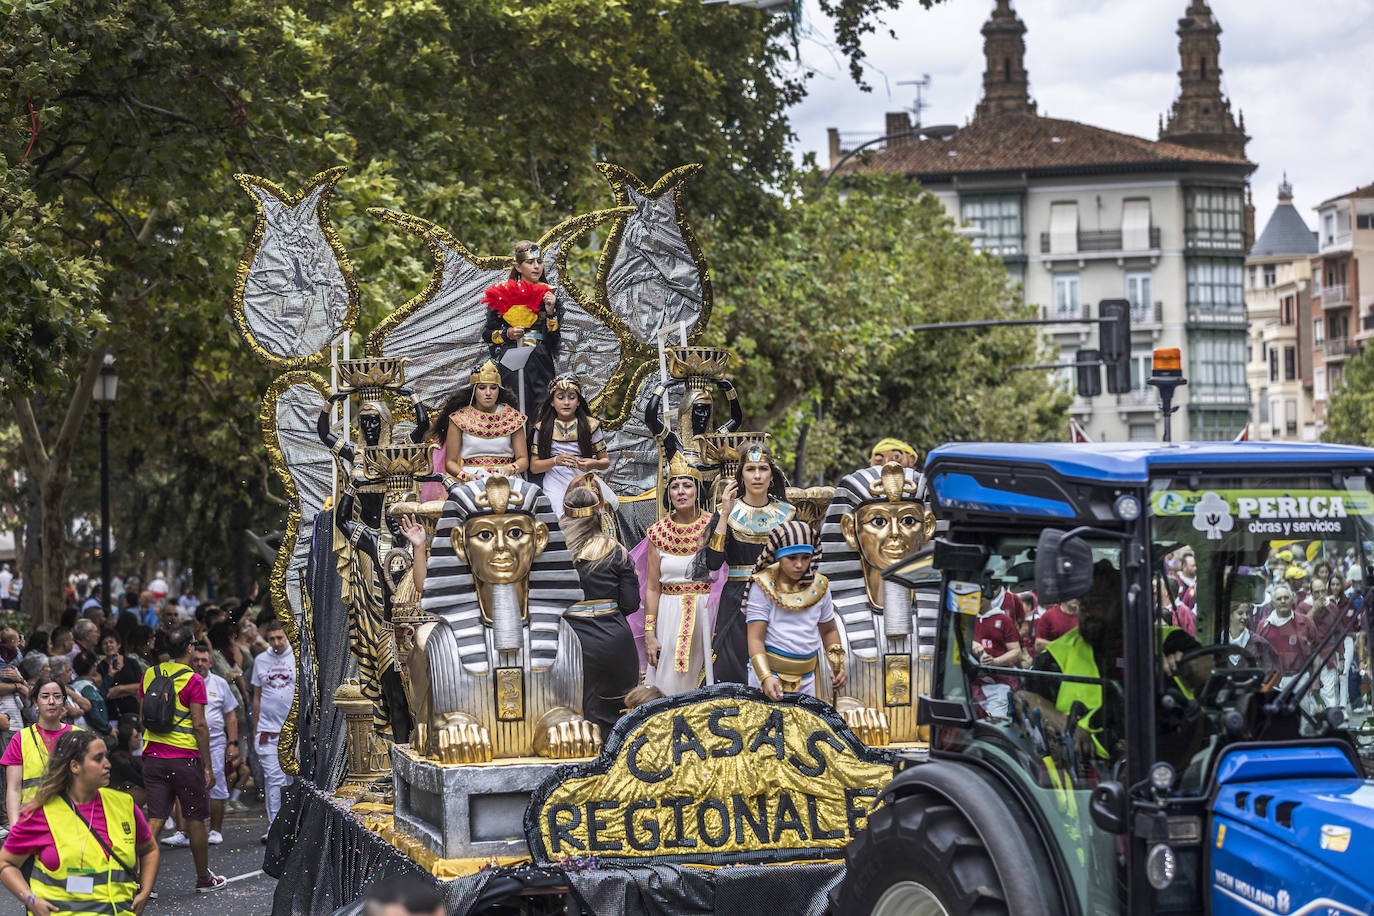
x,y
82,880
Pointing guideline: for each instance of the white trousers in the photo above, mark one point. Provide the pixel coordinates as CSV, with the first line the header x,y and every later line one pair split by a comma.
x,y
275,777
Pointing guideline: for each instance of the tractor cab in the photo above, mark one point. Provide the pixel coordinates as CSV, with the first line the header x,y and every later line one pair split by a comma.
x,y
1191,609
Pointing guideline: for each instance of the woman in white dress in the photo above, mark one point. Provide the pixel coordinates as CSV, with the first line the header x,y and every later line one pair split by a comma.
x,y
482,431
675,606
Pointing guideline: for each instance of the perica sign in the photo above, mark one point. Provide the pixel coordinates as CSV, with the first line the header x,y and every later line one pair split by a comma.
x,y
719,775
1306,514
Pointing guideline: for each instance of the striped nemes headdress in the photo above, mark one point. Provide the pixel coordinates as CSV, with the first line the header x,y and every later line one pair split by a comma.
x,y
790,538
451,594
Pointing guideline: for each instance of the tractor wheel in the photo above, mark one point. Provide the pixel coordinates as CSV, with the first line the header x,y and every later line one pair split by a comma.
x,y
919,856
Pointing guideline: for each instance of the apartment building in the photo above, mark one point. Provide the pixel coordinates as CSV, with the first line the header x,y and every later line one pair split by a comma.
x,y
1342,309
1278,301
1079,214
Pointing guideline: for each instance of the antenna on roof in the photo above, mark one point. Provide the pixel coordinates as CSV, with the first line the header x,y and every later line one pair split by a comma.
x,y
921,85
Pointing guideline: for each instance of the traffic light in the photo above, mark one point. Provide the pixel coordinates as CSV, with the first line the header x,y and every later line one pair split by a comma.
x,y
1114,341
1088,372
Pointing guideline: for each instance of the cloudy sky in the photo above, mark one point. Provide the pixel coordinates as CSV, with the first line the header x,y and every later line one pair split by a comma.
x,y
1294,68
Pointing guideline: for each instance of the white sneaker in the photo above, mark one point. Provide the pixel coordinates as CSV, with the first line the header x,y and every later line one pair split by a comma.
x,y
215,838
177,839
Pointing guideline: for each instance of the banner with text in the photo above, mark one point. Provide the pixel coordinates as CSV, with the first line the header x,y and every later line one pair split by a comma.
x,y
716,775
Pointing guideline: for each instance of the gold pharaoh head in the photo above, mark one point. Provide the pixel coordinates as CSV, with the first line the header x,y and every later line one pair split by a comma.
x,y
890,524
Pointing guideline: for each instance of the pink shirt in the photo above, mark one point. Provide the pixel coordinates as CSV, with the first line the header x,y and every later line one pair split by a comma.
x,y
14,751
193,692
31,835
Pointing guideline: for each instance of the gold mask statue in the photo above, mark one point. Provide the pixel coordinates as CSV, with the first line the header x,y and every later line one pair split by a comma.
x,y
501,549
885,532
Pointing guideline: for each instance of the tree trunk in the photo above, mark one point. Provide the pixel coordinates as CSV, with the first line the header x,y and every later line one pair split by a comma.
x,y
53,561
51,469
30,600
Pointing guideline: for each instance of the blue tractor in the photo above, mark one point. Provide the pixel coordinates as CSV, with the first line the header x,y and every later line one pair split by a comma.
x,y
1191,746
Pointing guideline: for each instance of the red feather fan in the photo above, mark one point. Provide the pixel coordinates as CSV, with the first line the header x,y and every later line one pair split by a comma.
x,y
502,297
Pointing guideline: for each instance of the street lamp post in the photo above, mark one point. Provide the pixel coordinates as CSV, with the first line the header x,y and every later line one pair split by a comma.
x,y
106,385
934,132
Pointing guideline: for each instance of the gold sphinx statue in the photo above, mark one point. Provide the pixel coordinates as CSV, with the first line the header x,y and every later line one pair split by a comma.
x,y
492,669
877,518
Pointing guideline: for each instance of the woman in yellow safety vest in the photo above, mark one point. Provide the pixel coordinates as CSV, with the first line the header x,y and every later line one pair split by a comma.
x,y
86,840
26,757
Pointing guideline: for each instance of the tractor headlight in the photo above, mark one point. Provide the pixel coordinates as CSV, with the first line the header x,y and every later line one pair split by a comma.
x,y
1127,508
1160,866
1162,777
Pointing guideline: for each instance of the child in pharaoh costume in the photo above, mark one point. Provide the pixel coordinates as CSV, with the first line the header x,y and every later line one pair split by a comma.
x,y
791,617
481,430
568,442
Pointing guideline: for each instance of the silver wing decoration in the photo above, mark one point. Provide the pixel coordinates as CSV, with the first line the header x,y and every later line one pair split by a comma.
x,y
304,466
295,291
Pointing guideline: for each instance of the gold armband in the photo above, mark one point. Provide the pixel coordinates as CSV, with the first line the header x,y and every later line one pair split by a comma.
x,y
551,323
761,667
498,336
717,541
834,654
650,623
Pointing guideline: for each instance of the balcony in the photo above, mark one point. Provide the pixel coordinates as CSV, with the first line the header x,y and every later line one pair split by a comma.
x,y
1336,296
1097,241
1138,399
1213,317
1365,329
1147,316
1214,240
1075,323
1339,348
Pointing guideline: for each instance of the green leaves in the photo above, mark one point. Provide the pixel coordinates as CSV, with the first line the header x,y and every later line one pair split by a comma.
x,y
1350,408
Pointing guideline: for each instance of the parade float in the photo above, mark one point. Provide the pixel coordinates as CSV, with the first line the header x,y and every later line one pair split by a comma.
x,y
438,726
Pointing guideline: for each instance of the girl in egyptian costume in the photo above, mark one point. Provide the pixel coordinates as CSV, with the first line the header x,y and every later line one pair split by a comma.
x,y
675,603
791,616
610,668
751,506
568,442
481,430
523,312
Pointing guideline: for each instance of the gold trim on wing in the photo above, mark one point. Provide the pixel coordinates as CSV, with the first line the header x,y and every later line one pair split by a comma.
x,y
267,422
328,178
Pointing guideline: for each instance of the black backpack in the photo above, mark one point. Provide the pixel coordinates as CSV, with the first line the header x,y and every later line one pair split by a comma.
x,y
160,700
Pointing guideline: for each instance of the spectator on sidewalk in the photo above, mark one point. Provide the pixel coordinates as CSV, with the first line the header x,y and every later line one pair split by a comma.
x,y
119,676
274,682
68,828
96,715
176,762
26,756
224,739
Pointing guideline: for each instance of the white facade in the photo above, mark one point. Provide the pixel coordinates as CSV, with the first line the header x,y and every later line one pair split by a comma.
x,y
1171,245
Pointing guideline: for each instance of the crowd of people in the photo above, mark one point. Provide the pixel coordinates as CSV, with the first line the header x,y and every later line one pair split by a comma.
x,y
163,713
1303,601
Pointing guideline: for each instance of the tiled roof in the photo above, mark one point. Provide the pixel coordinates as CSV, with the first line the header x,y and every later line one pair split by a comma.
x,y
1364,192
1285,233
1015,142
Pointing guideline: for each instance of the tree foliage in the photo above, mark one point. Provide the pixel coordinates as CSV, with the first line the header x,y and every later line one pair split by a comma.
x,y
815,309
1350,408
122,226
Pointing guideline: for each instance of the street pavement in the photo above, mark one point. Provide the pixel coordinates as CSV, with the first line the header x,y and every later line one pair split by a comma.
x,y
238,858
